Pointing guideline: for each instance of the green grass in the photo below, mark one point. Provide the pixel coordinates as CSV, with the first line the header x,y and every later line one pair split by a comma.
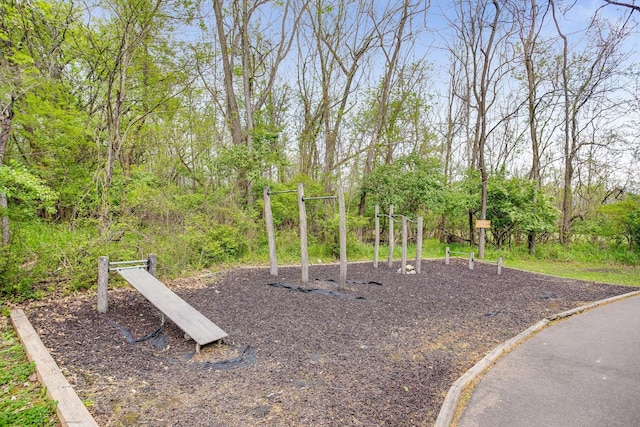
x,y
579,261
22,401
595,272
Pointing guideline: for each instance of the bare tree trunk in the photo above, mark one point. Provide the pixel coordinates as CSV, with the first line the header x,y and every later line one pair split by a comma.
x,y
383,104
232,111
114,124
566,195
529,47
6,123
481,91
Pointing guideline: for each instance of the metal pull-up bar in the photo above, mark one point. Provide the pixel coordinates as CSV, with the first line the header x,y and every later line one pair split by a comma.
x,y
304,199
269,192
304,251
405,220
268,216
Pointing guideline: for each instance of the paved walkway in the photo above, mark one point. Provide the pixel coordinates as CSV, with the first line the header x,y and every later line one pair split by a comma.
x,y
583,371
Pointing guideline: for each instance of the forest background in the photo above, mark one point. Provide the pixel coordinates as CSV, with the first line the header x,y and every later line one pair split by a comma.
x,y
137,126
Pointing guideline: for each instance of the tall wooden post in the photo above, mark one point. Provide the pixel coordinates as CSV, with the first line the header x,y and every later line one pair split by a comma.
x,y
271,235
343,240
152,264
403,262
419,246
446,256
103,284
304,250
470,260
376,245
390,257
499,266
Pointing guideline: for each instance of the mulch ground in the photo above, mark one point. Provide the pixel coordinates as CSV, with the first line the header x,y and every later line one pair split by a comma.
x,y
296,358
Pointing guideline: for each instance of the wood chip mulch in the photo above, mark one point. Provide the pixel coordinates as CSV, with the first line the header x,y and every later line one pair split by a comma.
x,y
384,355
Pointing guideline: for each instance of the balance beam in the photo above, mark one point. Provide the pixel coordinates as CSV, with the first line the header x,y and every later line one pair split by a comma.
x,y
202,330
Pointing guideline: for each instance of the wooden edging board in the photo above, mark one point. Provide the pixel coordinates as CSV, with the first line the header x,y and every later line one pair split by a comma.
x,y
452,399
70,409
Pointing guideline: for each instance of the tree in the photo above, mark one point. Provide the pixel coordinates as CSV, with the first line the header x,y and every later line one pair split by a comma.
x,y
482,32
531,20
631,5
585,84
412,184
517,205
243,38
32,37
382,119
124,86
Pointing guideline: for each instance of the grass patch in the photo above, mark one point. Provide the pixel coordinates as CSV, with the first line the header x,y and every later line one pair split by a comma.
x,y
23,402
590,271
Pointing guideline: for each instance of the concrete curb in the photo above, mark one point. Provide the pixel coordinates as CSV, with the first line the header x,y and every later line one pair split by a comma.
x,y
70,409
452,399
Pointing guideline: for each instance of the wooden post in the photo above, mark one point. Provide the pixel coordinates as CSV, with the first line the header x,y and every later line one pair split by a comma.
x,y
271,235
419,246
343,240
403,261
376,245
152,264
103,284
390,256
304,250
499,266
470,260
446,256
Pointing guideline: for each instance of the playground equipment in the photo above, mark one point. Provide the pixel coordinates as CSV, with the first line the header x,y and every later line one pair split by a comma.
x,y
471,262
405,221
304,251
141,275
447,256
271,235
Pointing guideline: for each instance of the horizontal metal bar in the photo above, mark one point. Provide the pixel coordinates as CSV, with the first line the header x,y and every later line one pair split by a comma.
x,y
131,267
281,192
139,261
402,216
319,198
461,253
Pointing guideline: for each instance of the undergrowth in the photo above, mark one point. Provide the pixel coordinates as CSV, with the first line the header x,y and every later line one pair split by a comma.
x,y
45,259
23,402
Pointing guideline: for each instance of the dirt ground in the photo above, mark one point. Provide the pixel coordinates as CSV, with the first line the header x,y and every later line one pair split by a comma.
x,y
294,358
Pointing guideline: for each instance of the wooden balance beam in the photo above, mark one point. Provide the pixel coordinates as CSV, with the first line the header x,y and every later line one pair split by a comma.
x,y
202,330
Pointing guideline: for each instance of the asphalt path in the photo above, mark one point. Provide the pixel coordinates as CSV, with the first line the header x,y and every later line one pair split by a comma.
x,y
582,371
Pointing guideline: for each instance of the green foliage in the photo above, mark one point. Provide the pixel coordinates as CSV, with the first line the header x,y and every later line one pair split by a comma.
x,y
53,137
22,402
514,205
215,243
621,220
244,162
19,184
411,184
